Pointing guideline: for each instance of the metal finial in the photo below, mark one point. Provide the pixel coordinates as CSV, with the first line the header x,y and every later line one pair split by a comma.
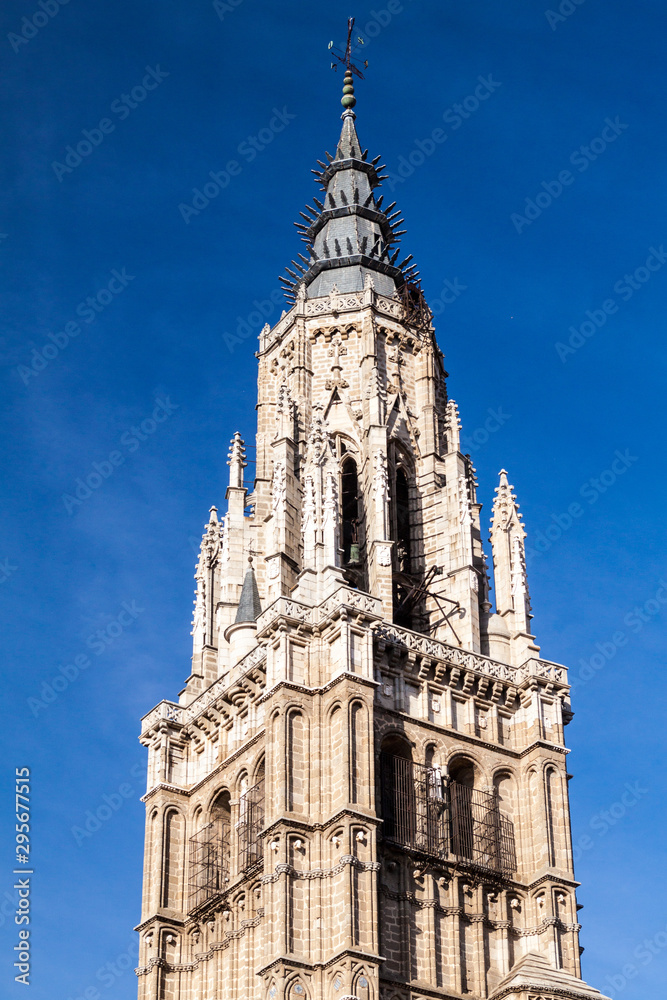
x,y
348,99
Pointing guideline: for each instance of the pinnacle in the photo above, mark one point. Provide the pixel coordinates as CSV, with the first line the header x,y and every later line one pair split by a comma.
x,y
349,235
349,146
250,607
237,450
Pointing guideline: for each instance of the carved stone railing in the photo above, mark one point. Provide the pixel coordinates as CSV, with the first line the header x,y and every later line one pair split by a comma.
x,y
217,688
542,668
285,607
182,714
455,656
356,599
336,302
165,710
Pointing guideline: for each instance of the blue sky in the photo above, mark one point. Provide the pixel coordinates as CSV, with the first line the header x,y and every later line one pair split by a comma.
x,y
153,340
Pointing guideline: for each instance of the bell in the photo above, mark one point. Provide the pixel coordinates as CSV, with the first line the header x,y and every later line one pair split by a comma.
x,y
354,554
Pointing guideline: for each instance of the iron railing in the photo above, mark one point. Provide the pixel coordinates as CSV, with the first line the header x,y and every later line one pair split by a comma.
x,y
425,813
251,824
413,805
481,835
209,863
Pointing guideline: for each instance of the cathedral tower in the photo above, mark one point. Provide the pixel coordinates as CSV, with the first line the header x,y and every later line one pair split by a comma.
x,y
362,790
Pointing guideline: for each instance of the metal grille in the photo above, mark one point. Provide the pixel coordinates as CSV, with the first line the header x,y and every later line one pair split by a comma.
x,y
413,805
423,813
480,834
251,824
209,864
507,845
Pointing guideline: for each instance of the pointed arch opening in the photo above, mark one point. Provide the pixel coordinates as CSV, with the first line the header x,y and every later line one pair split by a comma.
x,y
413,804
350,511
408,609
173,847
403,522
352,525
251,821
209,862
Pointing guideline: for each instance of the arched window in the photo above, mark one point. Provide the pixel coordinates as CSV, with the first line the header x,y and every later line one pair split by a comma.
x,y
397,746
413,802
403,529
173,849
462,771
210,854
551,803
298,762
350,512
251,821
398,791
465,822
505,787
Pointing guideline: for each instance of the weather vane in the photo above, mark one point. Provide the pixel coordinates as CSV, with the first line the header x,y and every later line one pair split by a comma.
x,y
346,57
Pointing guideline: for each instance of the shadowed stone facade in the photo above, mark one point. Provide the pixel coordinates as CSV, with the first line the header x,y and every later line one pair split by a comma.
x,y
362,790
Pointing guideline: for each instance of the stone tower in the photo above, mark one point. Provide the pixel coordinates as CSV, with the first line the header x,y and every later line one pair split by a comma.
x,y
362,790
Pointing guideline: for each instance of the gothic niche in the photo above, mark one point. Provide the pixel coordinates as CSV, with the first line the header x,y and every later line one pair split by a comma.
x,y
210,856
351,509
406,610
403,540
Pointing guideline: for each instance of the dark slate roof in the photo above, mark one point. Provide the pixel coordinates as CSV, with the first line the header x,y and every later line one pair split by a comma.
x,y
249,608
349,234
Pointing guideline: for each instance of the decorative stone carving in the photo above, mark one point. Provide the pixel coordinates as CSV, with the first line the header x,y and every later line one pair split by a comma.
x,y
210,551
278,499
453,426
330,521
384,555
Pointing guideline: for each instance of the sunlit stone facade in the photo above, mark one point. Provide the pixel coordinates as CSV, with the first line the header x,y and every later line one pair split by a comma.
x,y
362,790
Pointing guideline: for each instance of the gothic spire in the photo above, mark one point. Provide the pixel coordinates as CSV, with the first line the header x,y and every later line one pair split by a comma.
x,y
509,557
349,234
249,608
236,461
